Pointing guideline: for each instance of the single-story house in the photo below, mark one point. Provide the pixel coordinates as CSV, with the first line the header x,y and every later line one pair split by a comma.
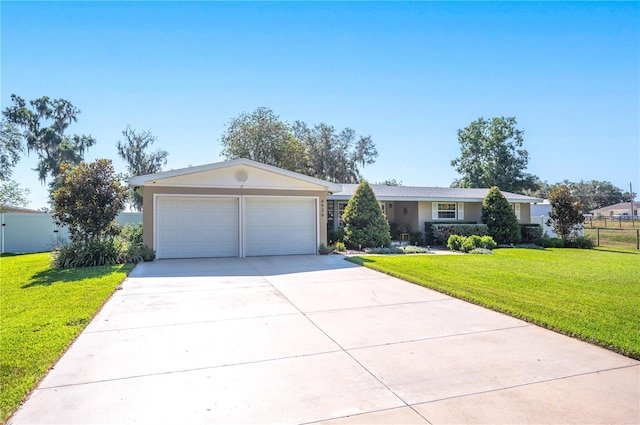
x,y
410,207
243,208
617,209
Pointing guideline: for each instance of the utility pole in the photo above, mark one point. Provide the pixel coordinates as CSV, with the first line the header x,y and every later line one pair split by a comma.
x,y
631,202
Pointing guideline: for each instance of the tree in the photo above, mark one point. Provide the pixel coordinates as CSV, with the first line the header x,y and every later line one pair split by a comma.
x,y
11,148
500,218
261,136
44,127
319,151
565,212
491,154
365,224
391,182
595,194
88,199
592,194
335,156
12,195
139,162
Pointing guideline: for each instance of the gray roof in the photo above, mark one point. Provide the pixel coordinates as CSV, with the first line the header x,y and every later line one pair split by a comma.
x,y
419,193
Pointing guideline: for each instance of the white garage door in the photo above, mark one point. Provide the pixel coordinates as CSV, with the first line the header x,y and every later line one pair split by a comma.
x,y
280,226
189,227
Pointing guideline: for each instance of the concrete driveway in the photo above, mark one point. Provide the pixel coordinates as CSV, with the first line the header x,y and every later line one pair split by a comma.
x,y
307,339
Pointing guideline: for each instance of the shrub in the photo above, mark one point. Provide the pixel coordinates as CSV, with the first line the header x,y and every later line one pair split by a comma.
x,y
394,231
340,246
480,251
581,242
385,250
528,246
549,242
429,239
487,242
530,232
442,231
500,218
91,253
336,235
365,224
415,238
132,233
126,247
454,243
411,249
469,243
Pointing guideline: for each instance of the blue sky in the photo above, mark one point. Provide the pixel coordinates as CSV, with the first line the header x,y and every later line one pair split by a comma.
x,y
409,74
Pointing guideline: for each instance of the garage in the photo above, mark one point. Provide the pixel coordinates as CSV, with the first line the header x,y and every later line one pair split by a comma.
x,y
192,227
235,208
280,226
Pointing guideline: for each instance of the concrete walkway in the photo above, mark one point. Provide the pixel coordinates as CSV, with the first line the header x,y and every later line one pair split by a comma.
x,y
316,339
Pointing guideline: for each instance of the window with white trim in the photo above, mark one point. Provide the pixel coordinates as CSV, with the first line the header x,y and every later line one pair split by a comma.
x,y
447,210
516,210
383,207
341,208
330,215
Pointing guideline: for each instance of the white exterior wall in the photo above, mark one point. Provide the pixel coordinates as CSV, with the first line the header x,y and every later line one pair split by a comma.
x,y
21,232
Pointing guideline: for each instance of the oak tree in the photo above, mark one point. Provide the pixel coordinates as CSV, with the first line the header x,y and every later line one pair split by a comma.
x,y
44,126
134,151
12,195
261,136
11,147
491,154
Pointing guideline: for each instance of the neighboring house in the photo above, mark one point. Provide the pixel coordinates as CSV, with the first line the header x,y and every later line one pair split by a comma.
x,y
541,209
243,208
237,208
623,208
410,207
21,210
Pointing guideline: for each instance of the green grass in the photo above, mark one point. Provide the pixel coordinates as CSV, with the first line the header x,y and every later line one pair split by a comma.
x,y
41,312
593,295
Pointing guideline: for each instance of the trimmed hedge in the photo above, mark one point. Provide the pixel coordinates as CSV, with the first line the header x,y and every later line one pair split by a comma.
x,y
442,231
530,232
429,238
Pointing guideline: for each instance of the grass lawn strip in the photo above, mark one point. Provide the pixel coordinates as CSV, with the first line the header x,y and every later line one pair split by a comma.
x,y
42,312
589,294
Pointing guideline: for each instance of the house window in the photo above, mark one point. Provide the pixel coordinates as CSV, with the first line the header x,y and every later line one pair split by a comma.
x,y
341,208
447,210
516,210
330,215
383,207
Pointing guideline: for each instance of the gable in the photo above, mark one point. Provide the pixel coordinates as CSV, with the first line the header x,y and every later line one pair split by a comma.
x,y
243,174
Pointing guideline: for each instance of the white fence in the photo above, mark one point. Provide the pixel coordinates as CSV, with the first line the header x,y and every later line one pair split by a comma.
x,y
548,230
20,232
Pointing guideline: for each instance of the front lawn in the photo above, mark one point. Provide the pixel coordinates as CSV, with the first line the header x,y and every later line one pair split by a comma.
x,y
593,295
42,311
